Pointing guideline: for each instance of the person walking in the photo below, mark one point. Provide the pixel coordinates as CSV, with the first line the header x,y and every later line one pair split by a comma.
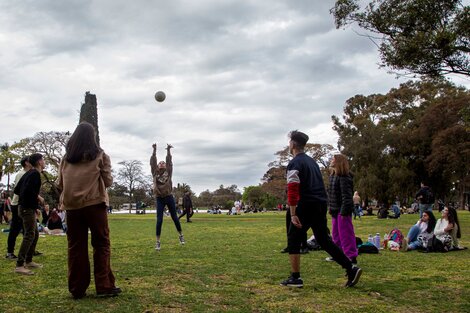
x,y
187,207
84,175
341,207
308,206
16,224
162,188
28,191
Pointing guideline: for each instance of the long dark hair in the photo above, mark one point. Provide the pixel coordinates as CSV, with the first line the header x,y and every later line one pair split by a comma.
x,y
82,144
431,222
454,219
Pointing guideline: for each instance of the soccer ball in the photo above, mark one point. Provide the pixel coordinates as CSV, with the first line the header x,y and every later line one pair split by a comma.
x,y
160,96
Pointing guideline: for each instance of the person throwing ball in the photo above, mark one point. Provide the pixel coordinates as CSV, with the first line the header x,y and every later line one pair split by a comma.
x,y
162,188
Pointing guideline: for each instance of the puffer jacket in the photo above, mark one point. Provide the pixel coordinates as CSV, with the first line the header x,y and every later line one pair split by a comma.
x,y
340,195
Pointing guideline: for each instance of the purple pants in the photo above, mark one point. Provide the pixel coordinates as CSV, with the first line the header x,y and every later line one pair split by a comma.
x,y
343,235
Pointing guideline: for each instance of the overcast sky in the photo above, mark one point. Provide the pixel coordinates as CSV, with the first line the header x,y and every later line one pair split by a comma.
x,y
238,75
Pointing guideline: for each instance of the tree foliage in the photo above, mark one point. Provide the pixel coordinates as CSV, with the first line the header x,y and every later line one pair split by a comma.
x,y
415,132
89,113
424,37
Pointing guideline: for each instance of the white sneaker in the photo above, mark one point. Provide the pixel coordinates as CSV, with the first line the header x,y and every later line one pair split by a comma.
x,y
23,270
158,246
33,265
182,240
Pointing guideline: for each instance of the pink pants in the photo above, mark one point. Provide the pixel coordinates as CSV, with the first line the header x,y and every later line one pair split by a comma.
x,y
343,235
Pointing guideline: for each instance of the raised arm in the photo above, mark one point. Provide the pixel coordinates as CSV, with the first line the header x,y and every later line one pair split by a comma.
x,y
153,160
169,163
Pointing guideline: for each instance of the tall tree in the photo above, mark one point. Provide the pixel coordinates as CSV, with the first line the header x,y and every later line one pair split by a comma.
x,y
424,37
89,113
131,175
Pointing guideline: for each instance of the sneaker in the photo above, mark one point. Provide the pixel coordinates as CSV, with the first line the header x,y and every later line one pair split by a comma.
x,y
353,276
404,244
158,246
330,259
11,256
109,293
33,265
293,282
37,253
23,270
285,250
182,240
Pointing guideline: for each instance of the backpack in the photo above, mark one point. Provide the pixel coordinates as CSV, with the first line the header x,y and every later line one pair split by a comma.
x,y
367,248
396,235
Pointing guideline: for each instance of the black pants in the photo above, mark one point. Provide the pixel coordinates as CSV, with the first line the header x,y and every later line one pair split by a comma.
x,y
16,227
188,212
303,244
313,215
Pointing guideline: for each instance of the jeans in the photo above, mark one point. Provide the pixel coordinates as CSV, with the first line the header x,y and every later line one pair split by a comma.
x,y
313,215
412,236
15,228
424,207
161,203
343,235
95,218
30,237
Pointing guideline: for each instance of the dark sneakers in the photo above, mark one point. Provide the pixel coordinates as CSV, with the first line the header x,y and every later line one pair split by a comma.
x,y
109,293
353,276
293,282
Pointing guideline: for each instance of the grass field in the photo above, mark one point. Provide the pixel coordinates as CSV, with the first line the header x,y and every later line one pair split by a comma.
x,y
233,264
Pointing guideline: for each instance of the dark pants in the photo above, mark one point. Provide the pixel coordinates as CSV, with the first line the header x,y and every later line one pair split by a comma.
x,y
95,218
188,212
313,215
16,226
303,245
30,236
161,203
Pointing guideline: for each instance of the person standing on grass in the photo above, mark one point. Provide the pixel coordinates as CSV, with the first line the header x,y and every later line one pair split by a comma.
x,y
28,191
84,175
16,224
187,207
162,188
341,206
425,198
308,206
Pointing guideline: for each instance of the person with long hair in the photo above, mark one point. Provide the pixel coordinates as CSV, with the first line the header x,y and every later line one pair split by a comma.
x,y
420,233
341,206
455,233
54,224
445,227
84,175
162,173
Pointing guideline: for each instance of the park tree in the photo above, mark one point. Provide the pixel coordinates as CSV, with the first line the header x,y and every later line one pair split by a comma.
x,y
254,195
89,113
429,38
396,140
204,199
131,175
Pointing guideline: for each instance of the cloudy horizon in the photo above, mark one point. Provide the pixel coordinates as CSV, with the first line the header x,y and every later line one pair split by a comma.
x,y
238,76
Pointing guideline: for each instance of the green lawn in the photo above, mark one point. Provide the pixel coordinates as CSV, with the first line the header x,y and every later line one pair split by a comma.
x,y
233,264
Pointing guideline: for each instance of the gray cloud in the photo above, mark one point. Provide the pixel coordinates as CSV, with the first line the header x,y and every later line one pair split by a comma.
x,y
238,76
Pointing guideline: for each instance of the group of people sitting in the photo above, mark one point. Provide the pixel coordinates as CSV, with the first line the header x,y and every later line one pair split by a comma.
x,y
52,221
429,234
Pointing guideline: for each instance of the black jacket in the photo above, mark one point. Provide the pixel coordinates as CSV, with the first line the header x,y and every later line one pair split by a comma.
x,y
340,195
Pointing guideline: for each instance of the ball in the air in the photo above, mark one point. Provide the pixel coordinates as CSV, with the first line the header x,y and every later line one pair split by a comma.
x,y
160,96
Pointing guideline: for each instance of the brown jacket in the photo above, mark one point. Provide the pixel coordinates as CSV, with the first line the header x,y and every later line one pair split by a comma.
x,y
162,184
84,184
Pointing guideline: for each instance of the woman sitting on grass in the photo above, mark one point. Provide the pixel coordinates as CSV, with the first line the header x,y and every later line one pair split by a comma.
x,y
446,228
54,224
420,233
